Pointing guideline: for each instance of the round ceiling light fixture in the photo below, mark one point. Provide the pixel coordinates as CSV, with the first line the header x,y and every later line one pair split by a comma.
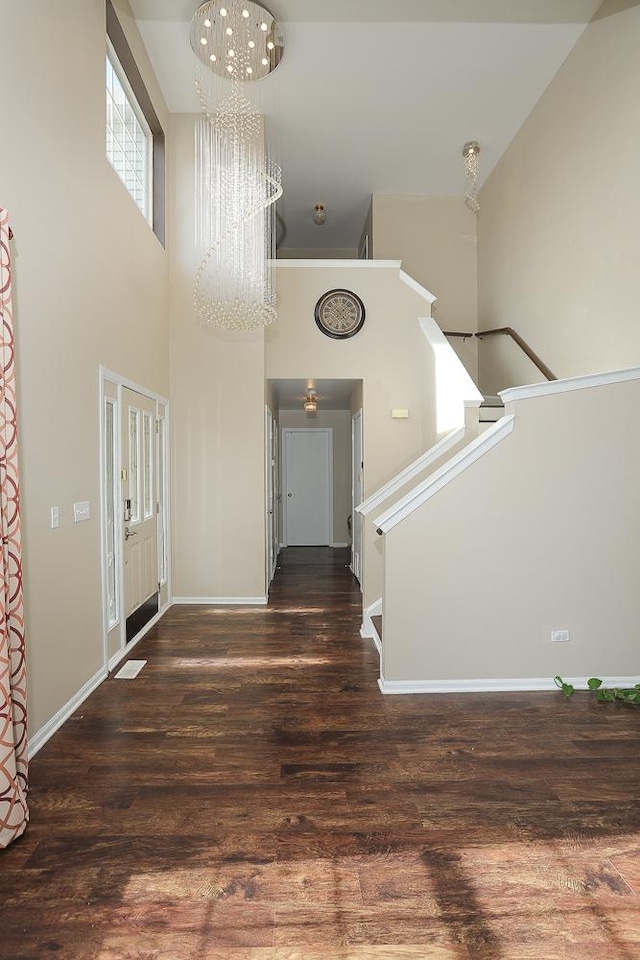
x,y
258,42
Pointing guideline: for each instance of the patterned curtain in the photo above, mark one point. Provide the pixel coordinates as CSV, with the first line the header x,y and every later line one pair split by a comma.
x,y
13,690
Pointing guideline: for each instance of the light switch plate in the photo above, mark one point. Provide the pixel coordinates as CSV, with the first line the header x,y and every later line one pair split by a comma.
x,y
55,517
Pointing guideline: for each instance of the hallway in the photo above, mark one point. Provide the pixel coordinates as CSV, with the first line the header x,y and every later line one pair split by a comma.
x,y
252,796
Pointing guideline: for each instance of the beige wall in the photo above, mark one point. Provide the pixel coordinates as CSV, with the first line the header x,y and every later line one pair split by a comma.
x,y
539,534
340,422
218,397
365,245
317,253
435,237
559,244
389,354
91,287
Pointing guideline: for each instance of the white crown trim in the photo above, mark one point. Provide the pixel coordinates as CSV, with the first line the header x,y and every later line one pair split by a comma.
x,y
417,287
347,264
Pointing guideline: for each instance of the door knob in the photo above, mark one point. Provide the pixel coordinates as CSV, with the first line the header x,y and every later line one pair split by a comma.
x,y
129,533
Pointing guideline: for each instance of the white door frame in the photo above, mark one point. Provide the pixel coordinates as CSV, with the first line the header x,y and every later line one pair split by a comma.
x,y
106,376
271,496
357,425
289,430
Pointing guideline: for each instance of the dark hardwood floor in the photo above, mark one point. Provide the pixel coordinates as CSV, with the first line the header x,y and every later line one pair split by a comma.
x,y
252,796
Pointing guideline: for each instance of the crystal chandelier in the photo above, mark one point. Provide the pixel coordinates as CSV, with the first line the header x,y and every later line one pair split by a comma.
x,y
470,152
236,42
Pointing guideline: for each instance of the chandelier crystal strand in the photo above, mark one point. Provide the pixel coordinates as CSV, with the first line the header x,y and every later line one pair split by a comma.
x,y
237,185
470,152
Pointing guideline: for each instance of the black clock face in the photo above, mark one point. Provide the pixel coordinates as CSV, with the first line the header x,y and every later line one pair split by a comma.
x,y
340,314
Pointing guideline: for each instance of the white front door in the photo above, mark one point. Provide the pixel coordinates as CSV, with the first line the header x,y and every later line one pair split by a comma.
x,y
308,486
357,494
139,511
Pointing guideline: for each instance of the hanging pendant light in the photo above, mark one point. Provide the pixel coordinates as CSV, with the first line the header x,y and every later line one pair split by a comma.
x,y
237,185
470,152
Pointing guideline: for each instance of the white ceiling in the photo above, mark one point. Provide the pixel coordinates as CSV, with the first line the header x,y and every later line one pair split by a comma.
x,y
331,394
374,96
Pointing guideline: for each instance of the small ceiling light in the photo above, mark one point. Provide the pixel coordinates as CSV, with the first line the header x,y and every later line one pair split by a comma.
x,y
251,44
264,27
230,69
203,41
232,53
271,45
229,32
265,62
207,23
310,402
245,14
223,12
249,70
319,214
213,58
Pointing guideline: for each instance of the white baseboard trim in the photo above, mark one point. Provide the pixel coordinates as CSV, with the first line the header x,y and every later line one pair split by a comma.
x,y
340,544
122,654
367,630
517,685
222,601
38,740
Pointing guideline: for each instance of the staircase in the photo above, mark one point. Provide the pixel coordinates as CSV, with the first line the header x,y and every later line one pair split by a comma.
x,y
526,486
490,411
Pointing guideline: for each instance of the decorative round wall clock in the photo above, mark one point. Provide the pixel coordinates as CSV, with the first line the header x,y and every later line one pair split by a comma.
x,y
340,314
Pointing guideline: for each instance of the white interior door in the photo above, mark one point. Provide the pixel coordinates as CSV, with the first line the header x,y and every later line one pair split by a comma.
x,y
139,513
357,494
308,486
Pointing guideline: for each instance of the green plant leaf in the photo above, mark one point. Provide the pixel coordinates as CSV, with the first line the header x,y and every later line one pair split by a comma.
x,y
566,688
594,683
629,696
606,694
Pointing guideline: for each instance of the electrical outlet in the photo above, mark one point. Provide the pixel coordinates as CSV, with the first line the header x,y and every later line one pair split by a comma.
x,y
559,636
55,517
81,511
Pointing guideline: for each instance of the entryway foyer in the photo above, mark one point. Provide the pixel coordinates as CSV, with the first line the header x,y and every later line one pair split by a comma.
x,y
251,796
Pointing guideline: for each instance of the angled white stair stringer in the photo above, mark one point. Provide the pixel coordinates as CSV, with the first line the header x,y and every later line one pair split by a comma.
x,y
414,469
444,475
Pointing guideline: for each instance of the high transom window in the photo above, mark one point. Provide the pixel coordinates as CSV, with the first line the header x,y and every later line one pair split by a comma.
x,y
129,139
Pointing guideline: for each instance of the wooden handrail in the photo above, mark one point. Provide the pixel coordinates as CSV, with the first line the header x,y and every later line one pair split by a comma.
x,y
510,332
524,346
